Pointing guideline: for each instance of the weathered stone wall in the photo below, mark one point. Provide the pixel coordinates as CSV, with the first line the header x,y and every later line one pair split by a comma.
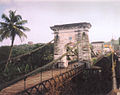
x,y
71,34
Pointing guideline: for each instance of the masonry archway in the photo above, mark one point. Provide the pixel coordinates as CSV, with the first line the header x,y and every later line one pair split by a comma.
x,y
69,34
73,54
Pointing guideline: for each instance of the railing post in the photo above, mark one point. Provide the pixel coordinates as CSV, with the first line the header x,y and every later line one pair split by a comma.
x,y
113,72
66,69
24,83
52,70
31,61
41,76
60,66
60,70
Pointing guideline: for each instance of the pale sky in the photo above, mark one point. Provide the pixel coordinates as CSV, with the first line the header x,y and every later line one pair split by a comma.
x,y
104,16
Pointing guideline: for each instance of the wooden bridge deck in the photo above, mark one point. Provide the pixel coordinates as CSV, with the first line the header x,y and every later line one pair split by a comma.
x,y
33,80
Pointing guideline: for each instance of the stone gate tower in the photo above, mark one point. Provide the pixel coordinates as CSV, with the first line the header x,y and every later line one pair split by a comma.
x,y
70,34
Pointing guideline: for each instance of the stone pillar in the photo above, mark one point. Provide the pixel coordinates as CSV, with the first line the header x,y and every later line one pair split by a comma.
x,y
59,49
84,53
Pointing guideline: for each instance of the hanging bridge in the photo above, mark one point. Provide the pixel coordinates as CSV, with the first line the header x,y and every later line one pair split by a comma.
x,y
47,79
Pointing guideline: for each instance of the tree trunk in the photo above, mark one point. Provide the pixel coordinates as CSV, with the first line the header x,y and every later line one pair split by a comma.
x,y
10,53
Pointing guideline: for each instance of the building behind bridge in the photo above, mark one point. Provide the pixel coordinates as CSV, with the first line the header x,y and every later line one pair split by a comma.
x,y
101,47
97,47
114,44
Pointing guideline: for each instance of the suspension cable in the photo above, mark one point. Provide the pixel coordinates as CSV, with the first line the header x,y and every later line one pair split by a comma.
x,y
28,53
39,69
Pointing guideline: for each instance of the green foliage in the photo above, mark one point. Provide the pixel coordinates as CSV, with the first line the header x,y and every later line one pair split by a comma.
x,y
26,63
26,68
4,51
17,50
94,60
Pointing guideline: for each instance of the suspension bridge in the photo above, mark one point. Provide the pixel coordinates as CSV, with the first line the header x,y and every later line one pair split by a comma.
x,y
47,79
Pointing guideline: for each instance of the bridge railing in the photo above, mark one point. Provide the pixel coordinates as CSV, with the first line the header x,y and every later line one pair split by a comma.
x,y
42,88
101,56
36,71
18,65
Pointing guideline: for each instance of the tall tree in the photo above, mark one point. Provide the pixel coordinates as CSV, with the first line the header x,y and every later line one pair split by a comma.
x,y
11,27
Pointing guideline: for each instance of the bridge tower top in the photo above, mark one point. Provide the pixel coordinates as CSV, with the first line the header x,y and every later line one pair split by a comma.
x,y
83,25
66,36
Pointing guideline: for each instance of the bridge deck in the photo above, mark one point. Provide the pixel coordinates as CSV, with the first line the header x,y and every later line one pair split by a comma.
x,y
33,80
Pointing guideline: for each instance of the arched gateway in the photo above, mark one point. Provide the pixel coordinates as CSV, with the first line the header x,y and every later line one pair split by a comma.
x,y
68,35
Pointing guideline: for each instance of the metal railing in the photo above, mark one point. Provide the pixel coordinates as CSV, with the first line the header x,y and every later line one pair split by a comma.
x,y
45,86
36,71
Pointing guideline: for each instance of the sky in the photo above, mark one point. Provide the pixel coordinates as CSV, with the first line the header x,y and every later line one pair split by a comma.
x,y
104,16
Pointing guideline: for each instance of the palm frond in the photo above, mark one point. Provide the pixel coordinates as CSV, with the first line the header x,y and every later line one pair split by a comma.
x,y
21,22
3,24
5,17
5,35
18,17
21,35
19,32
1,31
12,26
0,39
12,15
23,28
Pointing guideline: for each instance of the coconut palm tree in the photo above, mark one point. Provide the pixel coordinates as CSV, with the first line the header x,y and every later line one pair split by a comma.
x,y
11,27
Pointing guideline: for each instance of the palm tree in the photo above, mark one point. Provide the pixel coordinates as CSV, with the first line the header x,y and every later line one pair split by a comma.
x,y
12,27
